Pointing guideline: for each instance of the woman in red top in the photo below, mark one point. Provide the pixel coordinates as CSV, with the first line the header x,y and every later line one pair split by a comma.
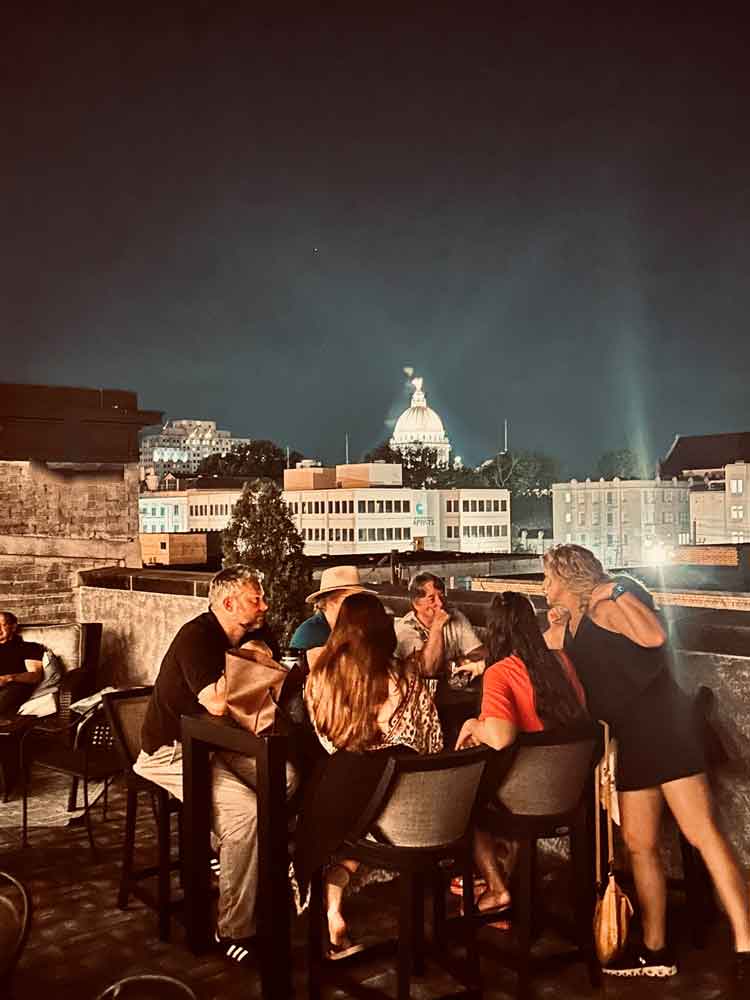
x,y
527,689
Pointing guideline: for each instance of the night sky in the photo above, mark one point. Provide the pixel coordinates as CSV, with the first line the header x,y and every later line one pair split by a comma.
x,y
262,220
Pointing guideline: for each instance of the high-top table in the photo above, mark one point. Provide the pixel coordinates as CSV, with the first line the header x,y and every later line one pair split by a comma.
x,y
200,736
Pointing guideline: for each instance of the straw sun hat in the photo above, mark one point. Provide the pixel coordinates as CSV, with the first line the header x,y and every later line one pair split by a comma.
x,y
338,578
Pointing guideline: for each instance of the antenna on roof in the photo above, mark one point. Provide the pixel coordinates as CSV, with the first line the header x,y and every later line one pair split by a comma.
x,y
346,447
287,456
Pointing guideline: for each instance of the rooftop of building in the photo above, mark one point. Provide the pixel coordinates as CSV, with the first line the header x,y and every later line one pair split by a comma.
x,y
700,452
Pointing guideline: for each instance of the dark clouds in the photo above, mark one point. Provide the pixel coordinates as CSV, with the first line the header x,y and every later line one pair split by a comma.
x,y
547,217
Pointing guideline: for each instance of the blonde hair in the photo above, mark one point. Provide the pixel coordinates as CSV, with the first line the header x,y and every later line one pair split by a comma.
x,y
578,569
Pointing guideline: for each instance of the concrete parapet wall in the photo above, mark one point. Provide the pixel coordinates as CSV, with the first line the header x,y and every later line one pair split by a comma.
x,y
138,628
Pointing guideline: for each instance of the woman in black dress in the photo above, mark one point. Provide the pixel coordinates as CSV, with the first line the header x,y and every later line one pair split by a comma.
x,y
618,647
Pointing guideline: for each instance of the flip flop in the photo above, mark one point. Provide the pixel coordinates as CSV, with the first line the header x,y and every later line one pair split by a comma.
x,y
336,952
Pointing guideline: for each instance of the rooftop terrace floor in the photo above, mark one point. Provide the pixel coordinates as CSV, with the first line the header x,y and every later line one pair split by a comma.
x,y
80,942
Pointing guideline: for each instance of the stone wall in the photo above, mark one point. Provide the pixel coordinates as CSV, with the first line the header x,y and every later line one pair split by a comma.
x,y
56,522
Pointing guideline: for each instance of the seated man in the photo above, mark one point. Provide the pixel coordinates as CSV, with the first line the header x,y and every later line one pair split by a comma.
x,y
442,635
191,676
20,665
336,584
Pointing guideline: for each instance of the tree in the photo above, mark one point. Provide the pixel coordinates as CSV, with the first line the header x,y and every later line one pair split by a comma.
x,y
523,473
263,534
421,469
622,462
256,460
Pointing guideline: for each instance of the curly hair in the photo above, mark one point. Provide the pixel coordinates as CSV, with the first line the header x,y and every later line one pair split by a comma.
x,y
512,628
349,682
578,568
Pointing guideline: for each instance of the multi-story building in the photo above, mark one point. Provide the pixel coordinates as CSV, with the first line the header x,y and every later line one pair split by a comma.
x,y
717,467
625,522
349,509
368,511
181,445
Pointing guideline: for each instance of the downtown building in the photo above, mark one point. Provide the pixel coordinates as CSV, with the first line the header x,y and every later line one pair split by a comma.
x,y
625,522
180,446
364,509
717,468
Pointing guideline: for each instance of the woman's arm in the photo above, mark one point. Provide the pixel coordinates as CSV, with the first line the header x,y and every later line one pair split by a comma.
x,y
628,616
495,733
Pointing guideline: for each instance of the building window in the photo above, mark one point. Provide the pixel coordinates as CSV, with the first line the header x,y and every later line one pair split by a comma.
x,y
473,531
481,531
473,506
610,498
389,506
465,505
738,537
568,517
381,534
504,530
397,534
480,506
610,540
496,505
361,534
370,506
360,506
737,513
581,539
338,534
610,519
503,505
370,534
466,531
581,517
176,509
396,506
496,530
667,496
567,498
330,534
737,486
389,534
379,506
407,531
683,538
449,531
667,516
153,512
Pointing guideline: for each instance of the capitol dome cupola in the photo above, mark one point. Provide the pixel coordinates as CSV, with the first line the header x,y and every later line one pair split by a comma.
x,y
420,427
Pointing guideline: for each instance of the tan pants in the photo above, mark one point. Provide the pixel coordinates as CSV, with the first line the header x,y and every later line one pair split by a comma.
x,y
234,823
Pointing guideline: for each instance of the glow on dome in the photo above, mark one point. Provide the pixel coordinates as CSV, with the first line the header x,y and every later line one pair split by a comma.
x,y
420,427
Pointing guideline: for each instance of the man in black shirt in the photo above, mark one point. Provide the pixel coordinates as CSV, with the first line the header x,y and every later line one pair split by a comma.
x,y
20,665
191,677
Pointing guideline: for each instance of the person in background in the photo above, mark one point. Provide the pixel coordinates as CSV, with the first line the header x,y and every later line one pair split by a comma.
x,y
528,688
336,584
361,697
20,666
619,646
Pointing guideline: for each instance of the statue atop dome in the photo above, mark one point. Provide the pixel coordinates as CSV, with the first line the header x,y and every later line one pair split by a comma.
x,y
420,427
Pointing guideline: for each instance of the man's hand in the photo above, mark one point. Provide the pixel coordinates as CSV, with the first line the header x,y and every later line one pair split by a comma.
x,y
440,619
602,592
467,736
558,615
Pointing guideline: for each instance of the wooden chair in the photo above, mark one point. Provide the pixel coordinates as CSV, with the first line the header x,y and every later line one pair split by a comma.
x,y
417,820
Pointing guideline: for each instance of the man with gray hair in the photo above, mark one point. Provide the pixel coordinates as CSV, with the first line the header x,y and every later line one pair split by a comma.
x,y
191,677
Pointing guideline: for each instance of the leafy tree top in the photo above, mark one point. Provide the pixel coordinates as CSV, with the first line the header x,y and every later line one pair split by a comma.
x,y
262,533
624,463
256,460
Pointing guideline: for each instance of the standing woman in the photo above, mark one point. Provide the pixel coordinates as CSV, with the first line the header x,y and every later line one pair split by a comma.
x,y
619,649
528,688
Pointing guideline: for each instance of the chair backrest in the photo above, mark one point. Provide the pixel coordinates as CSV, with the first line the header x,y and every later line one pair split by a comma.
x,y
71,642
126,711
550,771
148,987
15,921
430,799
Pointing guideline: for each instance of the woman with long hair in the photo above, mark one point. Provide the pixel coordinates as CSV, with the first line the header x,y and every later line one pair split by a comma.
x,y
611,631
361,698
527,689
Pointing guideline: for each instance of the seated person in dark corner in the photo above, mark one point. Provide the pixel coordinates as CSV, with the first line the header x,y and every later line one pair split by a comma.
x,y
336,584
20,666
191,678
527,689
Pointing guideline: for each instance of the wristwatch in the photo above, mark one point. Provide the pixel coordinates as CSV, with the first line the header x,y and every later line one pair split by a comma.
x,y
617,591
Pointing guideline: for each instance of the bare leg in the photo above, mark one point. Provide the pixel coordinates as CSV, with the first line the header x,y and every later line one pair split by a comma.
x,y
641,818
690,802
337,879
485,856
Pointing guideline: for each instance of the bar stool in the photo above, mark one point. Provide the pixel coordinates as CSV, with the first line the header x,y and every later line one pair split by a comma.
x,y
126,711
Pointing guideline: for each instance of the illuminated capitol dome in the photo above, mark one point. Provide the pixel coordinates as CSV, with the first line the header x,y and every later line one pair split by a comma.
x,y
420,427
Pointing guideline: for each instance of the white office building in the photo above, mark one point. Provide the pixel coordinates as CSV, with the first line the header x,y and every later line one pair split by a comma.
x,y
625,522
181,445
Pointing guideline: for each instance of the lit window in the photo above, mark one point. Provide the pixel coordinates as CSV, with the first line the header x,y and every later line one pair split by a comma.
x,y
568,517
736,486
737,513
